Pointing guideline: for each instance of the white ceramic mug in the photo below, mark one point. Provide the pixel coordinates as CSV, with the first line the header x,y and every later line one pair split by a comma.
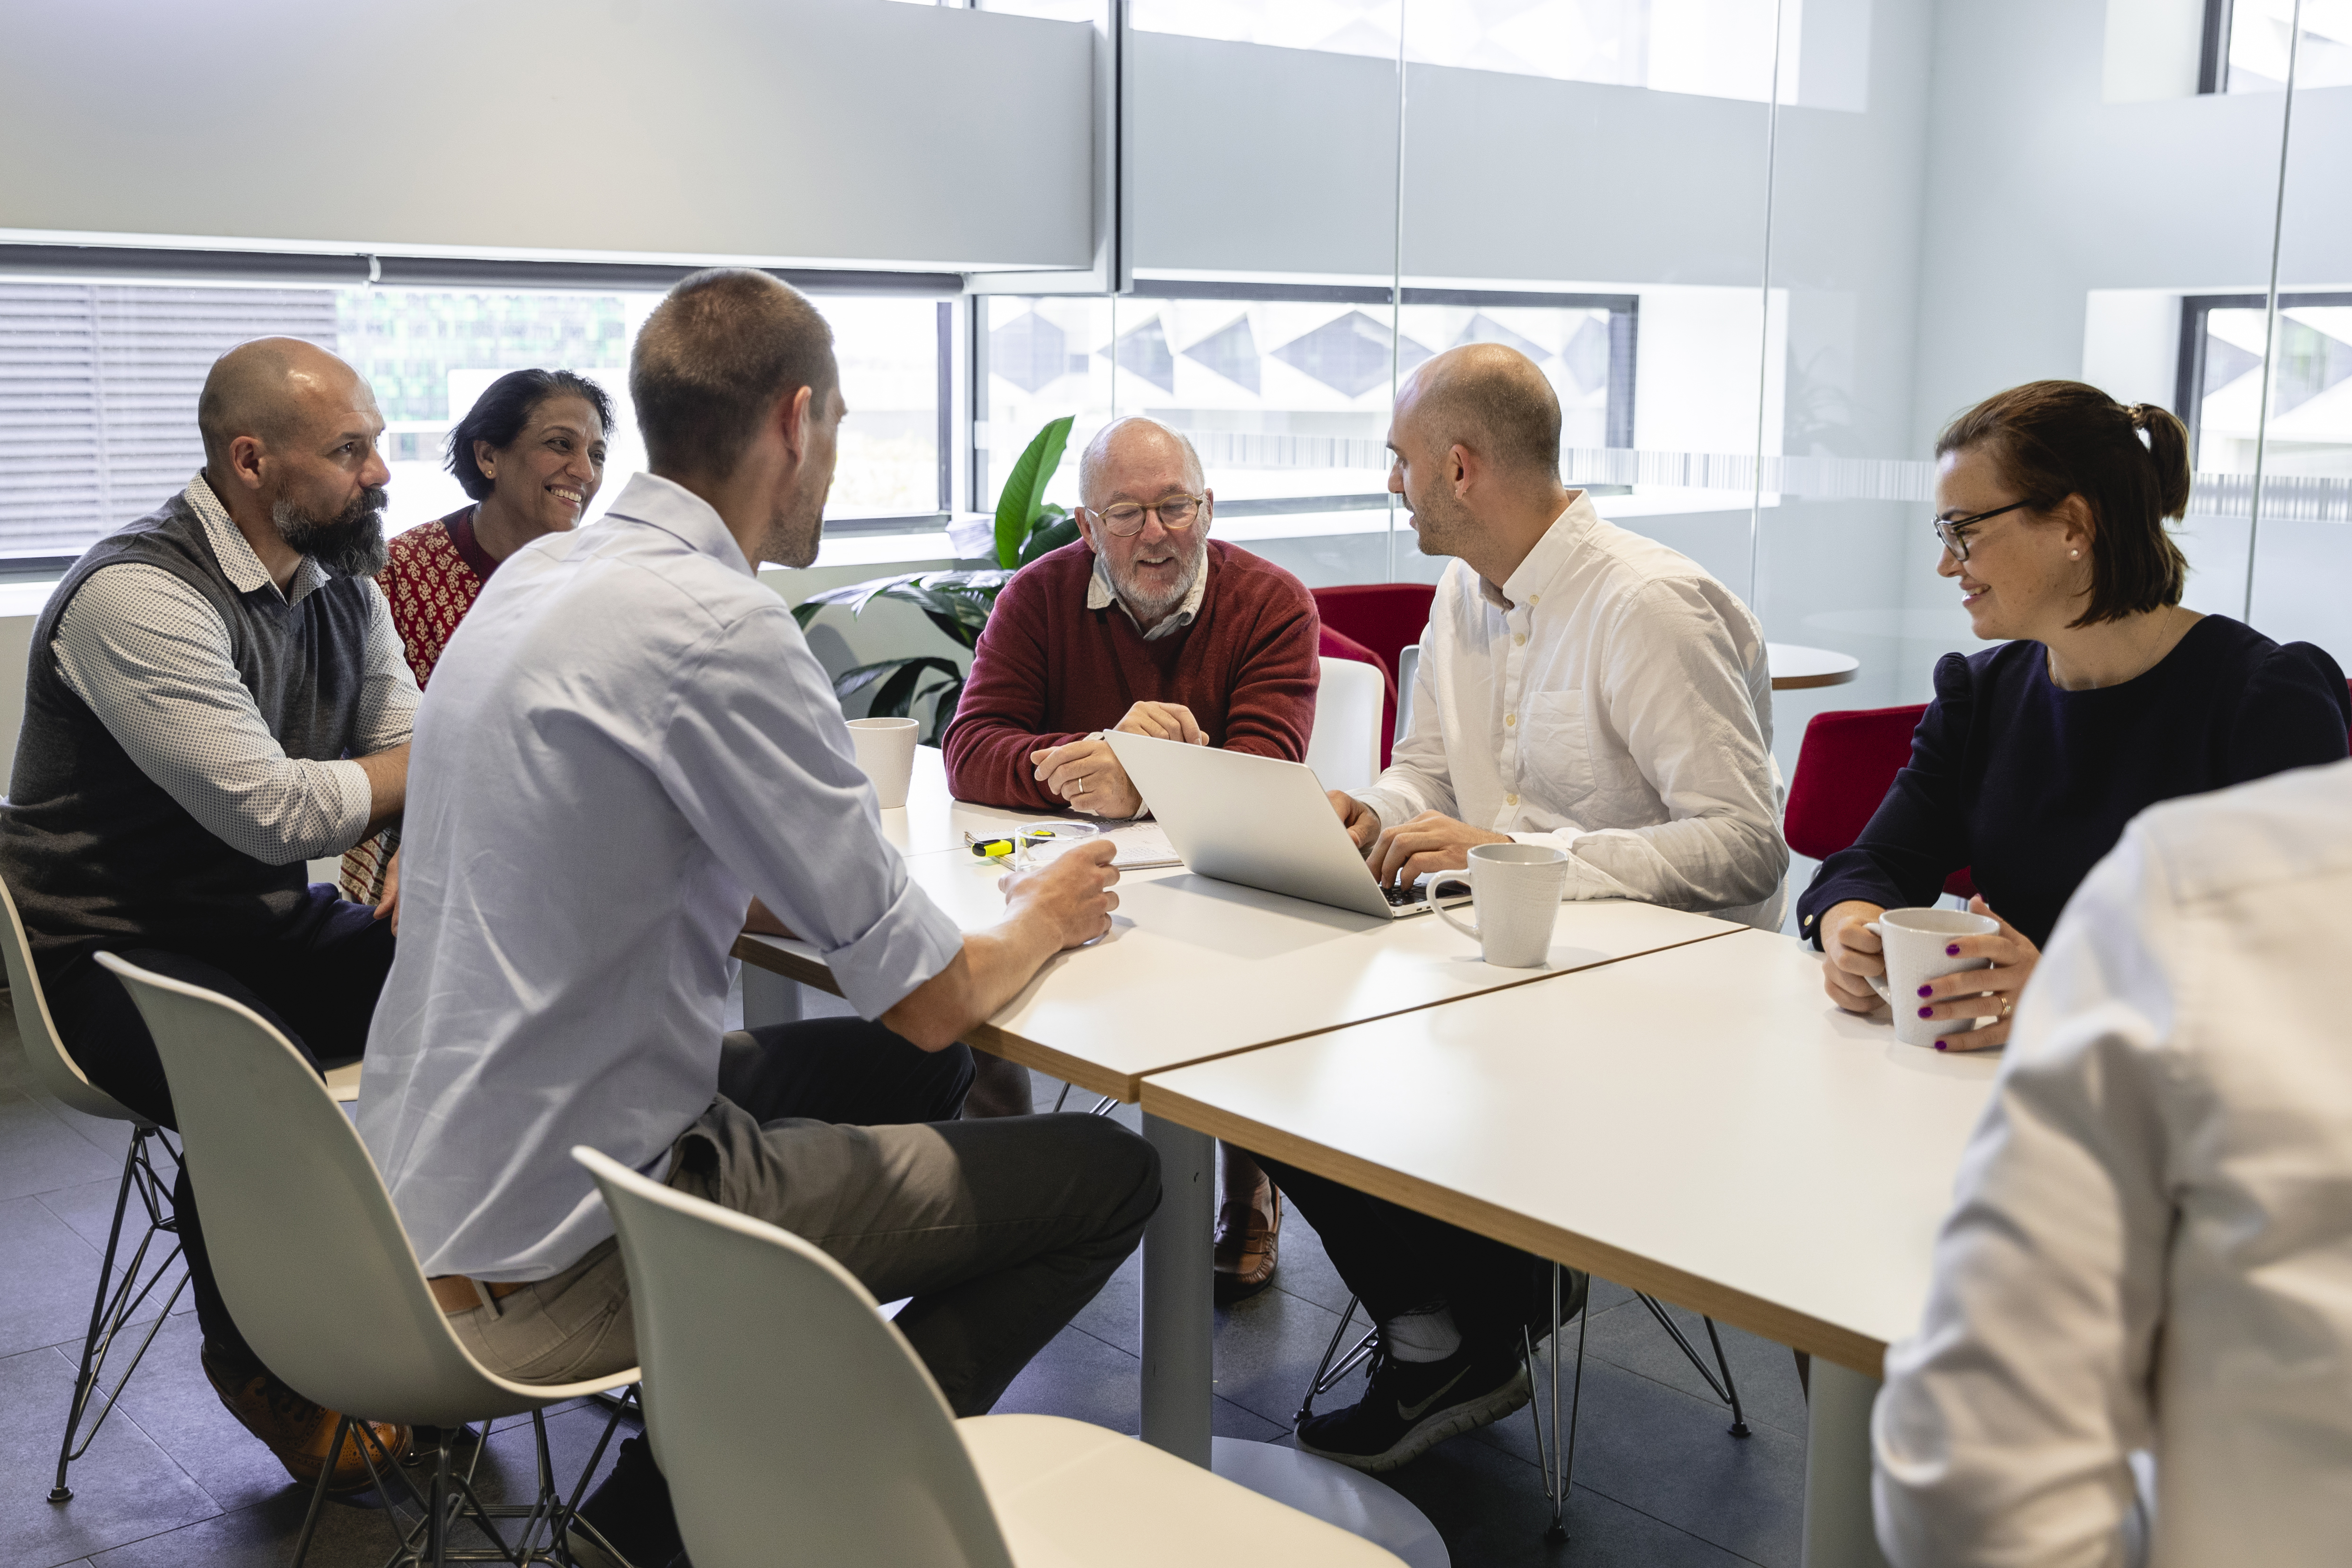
x,y
1514,891
886,750
1915,941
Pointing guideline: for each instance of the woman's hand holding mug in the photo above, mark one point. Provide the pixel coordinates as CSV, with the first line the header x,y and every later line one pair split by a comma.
x,y
1855,954
1980,993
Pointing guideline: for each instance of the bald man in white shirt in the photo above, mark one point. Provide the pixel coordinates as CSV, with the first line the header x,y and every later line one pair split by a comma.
x,y
2150,1245
1580,686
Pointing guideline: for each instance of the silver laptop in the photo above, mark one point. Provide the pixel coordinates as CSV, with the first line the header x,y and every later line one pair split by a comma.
x,y
1261,823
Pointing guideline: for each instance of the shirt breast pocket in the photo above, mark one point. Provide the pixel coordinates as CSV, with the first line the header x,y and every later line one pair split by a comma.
x,y
1556,748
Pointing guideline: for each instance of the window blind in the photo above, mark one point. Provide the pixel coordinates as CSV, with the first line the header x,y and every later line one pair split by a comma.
x,y
98,396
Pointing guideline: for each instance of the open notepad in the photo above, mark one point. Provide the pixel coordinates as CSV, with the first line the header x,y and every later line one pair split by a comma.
x,y
1142,845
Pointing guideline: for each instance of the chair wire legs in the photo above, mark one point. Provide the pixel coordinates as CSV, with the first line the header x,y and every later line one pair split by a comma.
x,y
1327,1376
1103,1106
1725,1389
114,1301
1558,1461
450,1498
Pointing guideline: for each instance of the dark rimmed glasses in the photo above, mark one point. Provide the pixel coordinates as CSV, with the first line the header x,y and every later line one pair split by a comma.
x,y
1176,513
1948,529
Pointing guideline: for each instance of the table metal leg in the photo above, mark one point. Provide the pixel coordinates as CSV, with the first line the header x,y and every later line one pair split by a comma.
x,y
1838,1529
1178,1365
769,999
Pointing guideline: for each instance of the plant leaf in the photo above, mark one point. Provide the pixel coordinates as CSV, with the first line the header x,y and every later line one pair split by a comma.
x,y
851,681
1052,536
897,694
944,709
1023,495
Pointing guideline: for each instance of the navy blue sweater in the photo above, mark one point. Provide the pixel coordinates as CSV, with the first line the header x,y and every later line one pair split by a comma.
x,y
2029,785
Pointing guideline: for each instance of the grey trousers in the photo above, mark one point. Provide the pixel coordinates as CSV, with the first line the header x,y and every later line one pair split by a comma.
x,y
1000,1230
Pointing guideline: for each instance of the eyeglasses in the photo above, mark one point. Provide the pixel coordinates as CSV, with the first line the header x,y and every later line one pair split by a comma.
x,y
1176,514
1949,530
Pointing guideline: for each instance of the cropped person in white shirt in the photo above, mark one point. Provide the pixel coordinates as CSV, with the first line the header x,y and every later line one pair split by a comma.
x,y
1580,686
2152,1237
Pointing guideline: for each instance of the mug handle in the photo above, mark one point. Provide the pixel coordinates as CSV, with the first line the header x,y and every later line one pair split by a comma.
x,y
1429,897
1878,982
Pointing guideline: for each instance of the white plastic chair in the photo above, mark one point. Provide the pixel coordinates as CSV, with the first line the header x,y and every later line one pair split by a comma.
x,y
109,1312
290,1194
796,1425
1345,748
1408,668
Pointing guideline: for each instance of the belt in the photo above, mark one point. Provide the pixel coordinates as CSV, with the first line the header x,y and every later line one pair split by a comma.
x,y
456,1293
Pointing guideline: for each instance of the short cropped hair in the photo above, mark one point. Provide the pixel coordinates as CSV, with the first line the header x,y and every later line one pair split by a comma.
x,y
713,358
2052,439
1495,402
499,414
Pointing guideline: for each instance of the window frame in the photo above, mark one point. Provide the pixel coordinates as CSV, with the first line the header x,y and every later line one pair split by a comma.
x,y
105,266
1625,330
2188,383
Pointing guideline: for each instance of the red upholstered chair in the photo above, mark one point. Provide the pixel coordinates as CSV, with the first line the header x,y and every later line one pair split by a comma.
x,y
1843,769
1382,618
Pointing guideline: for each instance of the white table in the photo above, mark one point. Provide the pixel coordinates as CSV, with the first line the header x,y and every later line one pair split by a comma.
x,y
932,820
1700,1124
1796,668
1195,969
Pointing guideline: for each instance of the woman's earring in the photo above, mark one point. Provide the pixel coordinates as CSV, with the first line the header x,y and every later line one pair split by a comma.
x,y
2074,556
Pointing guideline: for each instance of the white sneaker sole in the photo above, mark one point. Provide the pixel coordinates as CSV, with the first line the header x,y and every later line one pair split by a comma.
x,y
1435,1427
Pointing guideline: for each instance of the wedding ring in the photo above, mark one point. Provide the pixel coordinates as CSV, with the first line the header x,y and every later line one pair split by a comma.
x,y
2005,1007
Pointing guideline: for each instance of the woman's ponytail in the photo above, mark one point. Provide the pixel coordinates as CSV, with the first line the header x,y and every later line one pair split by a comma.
x,y
2168,447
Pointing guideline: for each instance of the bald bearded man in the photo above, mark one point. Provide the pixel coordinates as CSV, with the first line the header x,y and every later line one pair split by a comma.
x,y
216,695
1580,686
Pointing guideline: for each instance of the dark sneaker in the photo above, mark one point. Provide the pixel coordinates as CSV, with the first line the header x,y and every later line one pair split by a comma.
x,y
627,1522
1410,1407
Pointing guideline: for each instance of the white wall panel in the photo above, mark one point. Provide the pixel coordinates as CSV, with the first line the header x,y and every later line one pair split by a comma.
x,y
813,130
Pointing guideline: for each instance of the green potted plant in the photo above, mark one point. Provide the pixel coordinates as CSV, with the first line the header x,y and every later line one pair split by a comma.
x,y
958,603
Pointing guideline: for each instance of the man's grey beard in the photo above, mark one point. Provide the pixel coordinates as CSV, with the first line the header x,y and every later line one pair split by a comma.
x,y
1151,611
349,545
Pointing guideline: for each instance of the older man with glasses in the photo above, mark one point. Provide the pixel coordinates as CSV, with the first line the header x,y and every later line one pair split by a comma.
x,y
1149,625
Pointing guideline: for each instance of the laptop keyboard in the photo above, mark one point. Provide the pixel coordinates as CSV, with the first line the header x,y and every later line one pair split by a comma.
x,y
1451,890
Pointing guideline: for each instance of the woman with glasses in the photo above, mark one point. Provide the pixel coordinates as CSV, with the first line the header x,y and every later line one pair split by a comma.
x,y
2105,696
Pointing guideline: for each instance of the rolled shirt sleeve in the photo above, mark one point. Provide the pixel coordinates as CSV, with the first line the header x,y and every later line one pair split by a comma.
x,y
153,661
756,756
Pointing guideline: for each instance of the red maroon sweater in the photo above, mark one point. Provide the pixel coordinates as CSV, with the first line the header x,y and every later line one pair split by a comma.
x,y
1049,670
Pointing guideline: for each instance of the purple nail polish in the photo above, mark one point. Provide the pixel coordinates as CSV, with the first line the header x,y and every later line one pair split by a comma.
x,y
1939,1044
1926,1012
1926,991
1952,950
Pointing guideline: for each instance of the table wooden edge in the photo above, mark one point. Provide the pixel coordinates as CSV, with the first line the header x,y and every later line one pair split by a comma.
x,y
1122,1087
1725,1305
1807,682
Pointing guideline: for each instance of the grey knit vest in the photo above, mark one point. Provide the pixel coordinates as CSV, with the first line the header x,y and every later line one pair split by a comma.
x,y
98,856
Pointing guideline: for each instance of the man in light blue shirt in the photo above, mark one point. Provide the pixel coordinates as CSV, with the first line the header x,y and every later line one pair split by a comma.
x,y
627,740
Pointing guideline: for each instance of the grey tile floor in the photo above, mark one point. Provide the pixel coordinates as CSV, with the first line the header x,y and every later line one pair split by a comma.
x,y
171,1480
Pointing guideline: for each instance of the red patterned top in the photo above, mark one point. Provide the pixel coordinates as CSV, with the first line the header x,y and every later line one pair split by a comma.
x,y
432,576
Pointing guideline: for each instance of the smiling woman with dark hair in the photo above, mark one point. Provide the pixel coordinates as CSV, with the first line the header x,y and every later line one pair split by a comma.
x,y
2105,695
530,453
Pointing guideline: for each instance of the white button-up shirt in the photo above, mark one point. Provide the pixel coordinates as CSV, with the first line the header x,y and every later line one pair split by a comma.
x,y
1614,700
2151,1247
625,739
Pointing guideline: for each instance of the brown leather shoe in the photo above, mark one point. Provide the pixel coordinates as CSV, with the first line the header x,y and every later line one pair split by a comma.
x,y
1246,1238
298,1431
